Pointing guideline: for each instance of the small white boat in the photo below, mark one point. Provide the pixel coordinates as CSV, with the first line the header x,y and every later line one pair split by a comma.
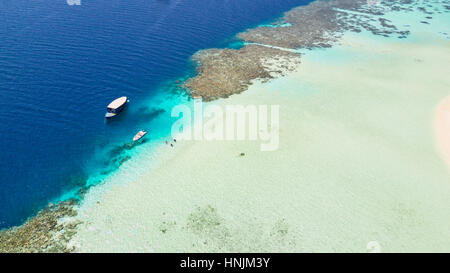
x,y
139,135
116,106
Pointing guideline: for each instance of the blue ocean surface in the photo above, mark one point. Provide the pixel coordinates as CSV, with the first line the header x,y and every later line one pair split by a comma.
x,y
60,65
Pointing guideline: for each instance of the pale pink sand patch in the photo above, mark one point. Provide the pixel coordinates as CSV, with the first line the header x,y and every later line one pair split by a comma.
x,y
442,128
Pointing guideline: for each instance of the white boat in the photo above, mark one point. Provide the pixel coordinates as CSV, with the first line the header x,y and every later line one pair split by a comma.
x,y
139,135
116,106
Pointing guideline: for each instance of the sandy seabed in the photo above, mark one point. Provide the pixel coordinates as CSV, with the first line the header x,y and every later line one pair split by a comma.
x,y
442,128
357,164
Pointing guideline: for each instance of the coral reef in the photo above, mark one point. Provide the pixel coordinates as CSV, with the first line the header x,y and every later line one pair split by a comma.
x,y
223,72
46,232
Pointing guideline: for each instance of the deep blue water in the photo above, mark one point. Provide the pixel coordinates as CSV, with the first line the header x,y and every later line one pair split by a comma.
x,y
60,65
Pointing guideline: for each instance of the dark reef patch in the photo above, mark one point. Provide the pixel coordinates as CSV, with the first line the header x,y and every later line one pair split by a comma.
x,y
42,233
118,155
321,22
223,72
76,180
215,233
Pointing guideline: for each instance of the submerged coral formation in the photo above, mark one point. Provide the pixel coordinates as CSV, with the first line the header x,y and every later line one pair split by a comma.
x,y
43,233
213,232
321,22
223,72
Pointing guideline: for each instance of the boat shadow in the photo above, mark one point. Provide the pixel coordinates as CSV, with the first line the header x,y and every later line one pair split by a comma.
x,y
143,114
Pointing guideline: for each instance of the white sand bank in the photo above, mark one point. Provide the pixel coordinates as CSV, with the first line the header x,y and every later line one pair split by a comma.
x,y
442,128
